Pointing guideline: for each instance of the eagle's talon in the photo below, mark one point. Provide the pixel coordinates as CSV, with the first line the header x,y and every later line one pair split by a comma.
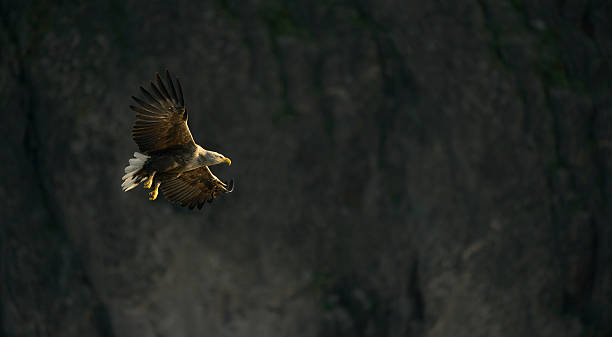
x,y
153,194
149,181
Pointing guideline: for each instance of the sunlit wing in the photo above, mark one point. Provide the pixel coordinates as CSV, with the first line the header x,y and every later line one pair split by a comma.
x,y
161,117
194,188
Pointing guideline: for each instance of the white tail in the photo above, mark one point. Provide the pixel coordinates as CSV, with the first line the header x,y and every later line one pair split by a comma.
x,y
130,180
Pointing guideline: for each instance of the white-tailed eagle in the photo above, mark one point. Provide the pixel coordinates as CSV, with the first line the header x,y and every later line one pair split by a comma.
x,y
169,158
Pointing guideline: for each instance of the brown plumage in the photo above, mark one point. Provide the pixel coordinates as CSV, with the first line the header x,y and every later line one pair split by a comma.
x,y
169,158
162,122
190,190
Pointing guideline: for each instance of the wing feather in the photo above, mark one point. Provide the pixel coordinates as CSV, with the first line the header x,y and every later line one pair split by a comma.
x,y
169,79
193,188
144,104
162,99
180,89
161,121
161,86
144,111
149,96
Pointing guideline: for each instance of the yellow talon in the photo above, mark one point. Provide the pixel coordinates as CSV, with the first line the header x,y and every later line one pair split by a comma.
x,y
149,181
153,194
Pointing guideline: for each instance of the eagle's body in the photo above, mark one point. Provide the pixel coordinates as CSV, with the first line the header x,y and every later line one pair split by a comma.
x,y
169,158
173,160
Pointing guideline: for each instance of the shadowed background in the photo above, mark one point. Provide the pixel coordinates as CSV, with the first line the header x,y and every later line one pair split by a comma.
x,y
402,168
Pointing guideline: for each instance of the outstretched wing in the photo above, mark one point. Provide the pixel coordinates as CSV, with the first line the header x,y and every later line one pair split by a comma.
x,y
161,119
194,188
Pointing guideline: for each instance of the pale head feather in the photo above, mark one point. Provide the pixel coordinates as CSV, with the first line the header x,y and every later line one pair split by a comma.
x,y
209,158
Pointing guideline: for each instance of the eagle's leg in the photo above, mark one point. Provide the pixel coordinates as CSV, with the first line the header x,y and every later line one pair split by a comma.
x,y
149,181
153,194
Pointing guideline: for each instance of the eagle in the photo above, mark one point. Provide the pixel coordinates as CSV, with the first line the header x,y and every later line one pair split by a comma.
x,y
168,157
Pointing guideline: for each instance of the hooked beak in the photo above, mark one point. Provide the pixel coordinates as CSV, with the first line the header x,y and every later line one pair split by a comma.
x,y
228,161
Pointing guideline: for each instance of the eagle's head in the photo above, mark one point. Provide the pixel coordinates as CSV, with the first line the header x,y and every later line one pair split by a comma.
x,y
209,158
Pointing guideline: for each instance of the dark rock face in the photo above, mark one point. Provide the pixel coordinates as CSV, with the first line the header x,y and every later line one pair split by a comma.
x,y
402,168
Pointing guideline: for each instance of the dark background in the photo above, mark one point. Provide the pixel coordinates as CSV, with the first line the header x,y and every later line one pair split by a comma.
x,y
402,168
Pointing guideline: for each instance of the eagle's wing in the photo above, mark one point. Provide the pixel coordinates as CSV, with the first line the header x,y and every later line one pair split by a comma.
x,y
193,188
161,119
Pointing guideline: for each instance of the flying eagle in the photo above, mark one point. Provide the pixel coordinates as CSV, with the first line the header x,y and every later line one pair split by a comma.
x,y
169,157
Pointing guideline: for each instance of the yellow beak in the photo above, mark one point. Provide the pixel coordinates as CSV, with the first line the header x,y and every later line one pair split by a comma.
x,y
228,161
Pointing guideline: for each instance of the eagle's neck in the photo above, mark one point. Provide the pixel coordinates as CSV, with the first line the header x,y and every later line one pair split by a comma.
x,y
196,161
199,151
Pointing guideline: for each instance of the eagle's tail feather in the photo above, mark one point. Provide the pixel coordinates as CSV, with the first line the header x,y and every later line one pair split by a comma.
x,y
132,177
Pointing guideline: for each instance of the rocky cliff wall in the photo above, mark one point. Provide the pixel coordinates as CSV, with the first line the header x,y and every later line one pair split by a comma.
x,y
402,168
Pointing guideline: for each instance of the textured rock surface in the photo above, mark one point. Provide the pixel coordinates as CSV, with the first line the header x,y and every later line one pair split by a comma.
x,y
403,168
